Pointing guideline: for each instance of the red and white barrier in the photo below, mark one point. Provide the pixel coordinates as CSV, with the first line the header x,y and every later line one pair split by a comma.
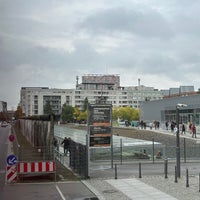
x,y
11,174
36,167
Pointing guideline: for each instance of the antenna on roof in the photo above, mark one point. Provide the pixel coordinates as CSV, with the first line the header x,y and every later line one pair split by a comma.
x,y
77,78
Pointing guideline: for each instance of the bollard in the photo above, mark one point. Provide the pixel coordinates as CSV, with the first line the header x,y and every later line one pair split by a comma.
x,y
199,182
153,149
187,178
121,151
176,175
115,171
140,174
165,167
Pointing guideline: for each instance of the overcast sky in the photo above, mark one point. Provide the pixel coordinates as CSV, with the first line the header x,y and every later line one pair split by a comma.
x,y
50,42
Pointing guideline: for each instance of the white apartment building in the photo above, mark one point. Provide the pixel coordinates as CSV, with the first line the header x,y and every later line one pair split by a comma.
x,y
104,88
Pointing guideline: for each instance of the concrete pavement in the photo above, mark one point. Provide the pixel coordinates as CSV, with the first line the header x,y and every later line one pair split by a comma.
x,y
130,188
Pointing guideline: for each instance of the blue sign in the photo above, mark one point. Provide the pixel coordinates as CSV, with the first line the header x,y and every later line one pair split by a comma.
x,y
11,160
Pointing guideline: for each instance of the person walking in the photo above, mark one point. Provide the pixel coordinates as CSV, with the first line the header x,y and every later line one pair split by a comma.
x,y
193,128
66,145
183,129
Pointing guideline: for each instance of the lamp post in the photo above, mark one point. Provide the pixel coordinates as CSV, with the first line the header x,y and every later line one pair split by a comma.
x,y
178,166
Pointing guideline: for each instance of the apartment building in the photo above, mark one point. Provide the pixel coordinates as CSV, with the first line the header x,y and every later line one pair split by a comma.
x,y
96,88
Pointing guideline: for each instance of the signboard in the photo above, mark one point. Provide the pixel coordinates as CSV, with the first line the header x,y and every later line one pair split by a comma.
x,y
11,159
100,130
100,141
100,115
100,125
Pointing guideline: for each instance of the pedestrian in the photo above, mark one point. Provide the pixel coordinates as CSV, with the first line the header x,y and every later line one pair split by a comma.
x,y
159,155
193,128
66,145
183,129
175,129
190,127
167,125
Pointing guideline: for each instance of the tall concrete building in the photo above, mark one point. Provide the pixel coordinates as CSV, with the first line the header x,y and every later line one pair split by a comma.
x,y
96,88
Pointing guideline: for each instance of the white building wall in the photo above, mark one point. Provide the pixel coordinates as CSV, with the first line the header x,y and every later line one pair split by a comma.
x,y
126,96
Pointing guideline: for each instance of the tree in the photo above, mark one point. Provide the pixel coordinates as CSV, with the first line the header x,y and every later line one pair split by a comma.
x,y
76,113
47,108
18,113
67,113
115,112
126,113
82,116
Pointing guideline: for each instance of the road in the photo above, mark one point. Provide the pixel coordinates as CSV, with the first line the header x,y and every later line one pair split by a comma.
x,y
3,154
34,191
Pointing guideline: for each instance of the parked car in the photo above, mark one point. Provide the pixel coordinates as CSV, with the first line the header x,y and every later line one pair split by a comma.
x,y
4,124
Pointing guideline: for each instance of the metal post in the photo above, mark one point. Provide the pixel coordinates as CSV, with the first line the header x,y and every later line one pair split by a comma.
x,y
121,151
187,178
177,144
87,173
199,182
165,168
112,145
140,174
175,175
153,149
115,171
184,150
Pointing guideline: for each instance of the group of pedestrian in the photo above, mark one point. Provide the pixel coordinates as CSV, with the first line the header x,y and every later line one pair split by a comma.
x,y
174,128
65,143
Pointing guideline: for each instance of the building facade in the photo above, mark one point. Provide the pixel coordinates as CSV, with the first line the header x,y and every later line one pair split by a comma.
x,y
3,106
96,88
165,109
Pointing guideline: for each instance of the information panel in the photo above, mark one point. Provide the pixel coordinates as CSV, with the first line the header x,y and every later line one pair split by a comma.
x,y
99,124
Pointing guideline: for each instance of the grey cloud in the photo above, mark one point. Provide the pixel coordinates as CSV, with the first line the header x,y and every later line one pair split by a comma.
x,y
148,23
151,40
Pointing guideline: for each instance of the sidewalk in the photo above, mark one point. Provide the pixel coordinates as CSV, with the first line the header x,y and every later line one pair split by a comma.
x,y
126,189
138,189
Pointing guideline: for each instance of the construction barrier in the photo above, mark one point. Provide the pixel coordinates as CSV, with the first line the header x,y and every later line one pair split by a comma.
x,y
36,167
11,174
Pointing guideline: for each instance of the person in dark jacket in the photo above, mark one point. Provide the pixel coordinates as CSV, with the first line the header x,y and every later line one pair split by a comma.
x,y
66,145
183,129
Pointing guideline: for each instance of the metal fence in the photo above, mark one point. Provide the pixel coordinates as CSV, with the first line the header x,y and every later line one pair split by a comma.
x,y
150,152
78,158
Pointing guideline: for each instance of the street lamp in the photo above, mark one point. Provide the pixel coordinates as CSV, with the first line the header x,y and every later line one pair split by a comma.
x,y
178,166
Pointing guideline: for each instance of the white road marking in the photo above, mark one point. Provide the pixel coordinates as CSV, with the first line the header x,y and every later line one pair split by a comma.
x,y
59,191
